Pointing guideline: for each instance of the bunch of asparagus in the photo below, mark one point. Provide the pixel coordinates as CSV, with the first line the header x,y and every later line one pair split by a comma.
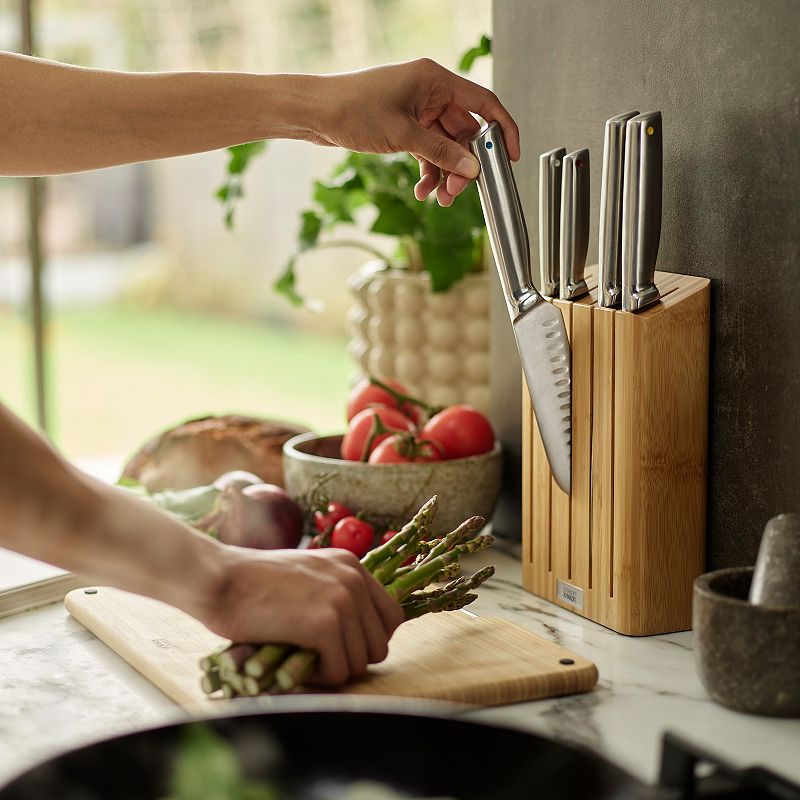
x,y
251,669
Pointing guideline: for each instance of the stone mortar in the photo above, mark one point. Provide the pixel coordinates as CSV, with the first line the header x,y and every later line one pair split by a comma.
x,y
748,656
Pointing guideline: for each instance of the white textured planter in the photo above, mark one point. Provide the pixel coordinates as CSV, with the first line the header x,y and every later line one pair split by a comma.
x,y
435,344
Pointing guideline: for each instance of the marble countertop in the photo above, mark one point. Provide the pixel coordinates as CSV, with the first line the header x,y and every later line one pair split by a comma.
x,y
62,687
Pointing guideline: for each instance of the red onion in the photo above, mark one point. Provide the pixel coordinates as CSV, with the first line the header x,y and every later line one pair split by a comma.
x,y
262,516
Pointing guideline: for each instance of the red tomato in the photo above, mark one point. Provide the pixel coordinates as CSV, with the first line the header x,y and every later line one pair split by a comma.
x,y
461,430
364,394
361,426
353,534
325,520
388,535
404,449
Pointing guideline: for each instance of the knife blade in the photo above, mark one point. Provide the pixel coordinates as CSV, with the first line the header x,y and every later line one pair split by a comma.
x,y
641,210
538,325
574,224
610,232
550,165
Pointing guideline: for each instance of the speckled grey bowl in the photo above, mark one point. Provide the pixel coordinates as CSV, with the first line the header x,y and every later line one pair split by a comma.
x,y
748,656
390,494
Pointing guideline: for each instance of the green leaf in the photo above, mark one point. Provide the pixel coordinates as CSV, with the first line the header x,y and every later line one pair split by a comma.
x,y
448,246
286,284
348,178
334,202
456,224
483,48
396,173
255,790
240,155
446,263
395,217
205,766
310,227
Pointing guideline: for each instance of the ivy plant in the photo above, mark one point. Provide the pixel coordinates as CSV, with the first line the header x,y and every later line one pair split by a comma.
x,y
447,243
239,156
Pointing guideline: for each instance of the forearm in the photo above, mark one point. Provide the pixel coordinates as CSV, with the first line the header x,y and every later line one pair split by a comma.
x,y
51,511
56,118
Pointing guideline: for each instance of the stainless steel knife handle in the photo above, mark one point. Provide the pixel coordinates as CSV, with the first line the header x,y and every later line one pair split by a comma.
x,y
575,202
550,165
609,261
641,210
505,222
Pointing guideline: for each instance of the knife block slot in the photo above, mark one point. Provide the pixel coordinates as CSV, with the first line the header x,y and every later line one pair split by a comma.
x,y
624,548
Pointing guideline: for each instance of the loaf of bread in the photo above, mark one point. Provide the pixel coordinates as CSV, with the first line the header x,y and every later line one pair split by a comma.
x,y
197,452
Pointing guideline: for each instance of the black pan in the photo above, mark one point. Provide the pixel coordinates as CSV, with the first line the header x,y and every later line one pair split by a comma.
x,y
301,750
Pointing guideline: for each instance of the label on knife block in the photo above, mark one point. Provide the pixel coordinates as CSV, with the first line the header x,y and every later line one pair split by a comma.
x,y
570,594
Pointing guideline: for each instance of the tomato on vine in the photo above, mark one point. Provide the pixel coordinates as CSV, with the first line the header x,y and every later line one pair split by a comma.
x,y
405,448
461,430
353,534
325,520
369,428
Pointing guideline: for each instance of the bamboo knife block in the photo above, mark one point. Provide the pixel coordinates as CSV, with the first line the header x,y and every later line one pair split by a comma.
x,y
624,548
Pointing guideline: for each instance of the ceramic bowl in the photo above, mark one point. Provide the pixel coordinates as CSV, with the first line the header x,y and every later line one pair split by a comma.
x,y
748,656
390,494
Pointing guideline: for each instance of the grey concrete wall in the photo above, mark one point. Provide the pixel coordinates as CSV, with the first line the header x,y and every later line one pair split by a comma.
x,y
726,75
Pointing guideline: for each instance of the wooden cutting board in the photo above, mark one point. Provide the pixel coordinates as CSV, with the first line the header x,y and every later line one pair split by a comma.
x,y
451,656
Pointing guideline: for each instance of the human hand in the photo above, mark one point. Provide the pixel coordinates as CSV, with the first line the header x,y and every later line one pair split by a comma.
x,y
419,107
318,599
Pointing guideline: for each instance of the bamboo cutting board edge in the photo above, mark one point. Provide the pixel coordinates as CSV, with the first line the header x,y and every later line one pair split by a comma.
x,y
455,657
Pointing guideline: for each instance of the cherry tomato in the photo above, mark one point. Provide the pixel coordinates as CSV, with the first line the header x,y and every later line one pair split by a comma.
x,y
361,426
388,535
353,534
325,520
365,394
461,430
405,449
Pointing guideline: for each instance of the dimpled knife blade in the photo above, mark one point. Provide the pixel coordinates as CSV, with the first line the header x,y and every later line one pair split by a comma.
x,y
538,325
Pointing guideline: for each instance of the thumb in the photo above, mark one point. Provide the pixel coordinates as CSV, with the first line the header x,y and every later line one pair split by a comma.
x,y
445,153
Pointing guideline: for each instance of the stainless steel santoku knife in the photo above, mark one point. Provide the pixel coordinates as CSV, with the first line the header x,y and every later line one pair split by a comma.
x,y
538,325
550,168
641,210
609,275
574,224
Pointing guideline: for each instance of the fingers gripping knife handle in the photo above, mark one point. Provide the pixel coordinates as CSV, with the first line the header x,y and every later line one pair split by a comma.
x,y
538,325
